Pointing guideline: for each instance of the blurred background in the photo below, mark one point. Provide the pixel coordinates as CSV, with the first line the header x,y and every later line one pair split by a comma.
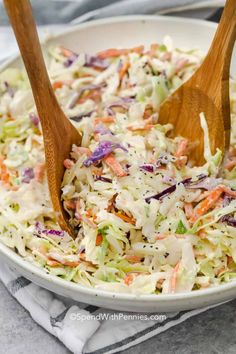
x,y
53,15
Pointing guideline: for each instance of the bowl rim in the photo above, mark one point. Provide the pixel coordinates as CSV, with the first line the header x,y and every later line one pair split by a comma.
x,y
14,259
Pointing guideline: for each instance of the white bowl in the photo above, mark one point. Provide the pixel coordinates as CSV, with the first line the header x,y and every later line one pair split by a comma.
x,y
91,37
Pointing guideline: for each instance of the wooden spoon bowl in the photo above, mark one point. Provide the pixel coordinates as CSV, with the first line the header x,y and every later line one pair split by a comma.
x,y
58,133
187,103
206,91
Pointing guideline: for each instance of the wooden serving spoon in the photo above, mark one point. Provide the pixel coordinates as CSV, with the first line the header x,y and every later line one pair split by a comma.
x,y
206,91
58,133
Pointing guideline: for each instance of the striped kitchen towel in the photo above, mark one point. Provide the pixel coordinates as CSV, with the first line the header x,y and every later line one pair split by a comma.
x,y
85,328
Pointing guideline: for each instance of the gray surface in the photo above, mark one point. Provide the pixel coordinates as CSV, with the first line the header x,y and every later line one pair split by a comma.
x,y
213,332
64,11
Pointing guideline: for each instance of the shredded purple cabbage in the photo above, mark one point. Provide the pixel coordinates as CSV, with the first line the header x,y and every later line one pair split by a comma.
x,y
226,200
77,95
104,148
128,99
28,175
101,129
40,230
148,167
103,179
79,117
81,250
69,61
229,220
121,104
34,119
164,160
93,61
59,233
168,180
186,182
208,184
9,89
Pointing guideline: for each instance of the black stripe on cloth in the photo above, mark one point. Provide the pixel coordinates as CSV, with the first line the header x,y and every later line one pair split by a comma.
x,y
15,285
55,321
137,335
91,308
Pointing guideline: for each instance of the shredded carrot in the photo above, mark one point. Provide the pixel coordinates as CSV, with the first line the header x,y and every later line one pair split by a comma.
x,y
99,240
97,171
219,271
112,52
202,233
182,148
4,174
124,70
125,217
228,191
39,172
173,279
111,203
138,50
71,264
148,112
59,84
53,263
219,203
181,161
152,160
68,164
207,203
90,214
94,95
66,52
82,256
86,220
153,49
230,164
82,217
129,279
180,63
183,236
145,127
204,286
115,166
108,119
133,258
166,56
161,236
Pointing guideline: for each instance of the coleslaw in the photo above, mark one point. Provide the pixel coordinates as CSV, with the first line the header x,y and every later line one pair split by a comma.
x,y
147,220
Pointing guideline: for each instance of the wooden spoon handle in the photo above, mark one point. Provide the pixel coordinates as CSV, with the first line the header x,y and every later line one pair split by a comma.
x,y
21,17
216,65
